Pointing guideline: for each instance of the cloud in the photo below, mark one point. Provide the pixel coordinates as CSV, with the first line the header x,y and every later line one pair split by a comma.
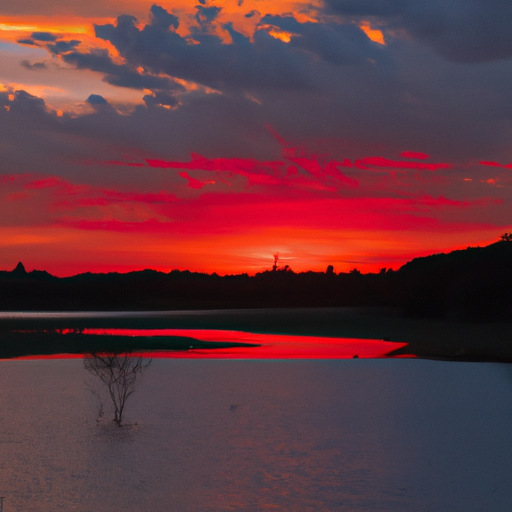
x,y
94,208
96,99
378,161
340,44
308,171
30,42
44,36
119,74
265,63
206,15
418,155
99,104
27,104
192,182
36,66
496,164
60,47
459,30
163,19
329,82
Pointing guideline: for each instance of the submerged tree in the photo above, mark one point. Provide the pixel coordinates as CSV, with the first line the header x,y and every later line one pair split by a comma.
x,y
119,373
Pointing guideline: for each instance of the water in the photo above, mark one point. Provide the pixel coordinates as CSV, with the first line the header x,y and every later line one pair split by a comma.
x,y
257,435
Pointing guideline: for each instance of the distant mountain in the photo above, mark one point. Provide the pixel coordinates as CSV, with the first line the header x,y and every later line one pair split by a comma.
x,y
470,284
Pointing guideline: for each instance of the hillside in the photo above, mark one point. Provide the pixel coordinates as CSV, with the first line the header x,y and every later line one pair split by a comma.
x,y
471,284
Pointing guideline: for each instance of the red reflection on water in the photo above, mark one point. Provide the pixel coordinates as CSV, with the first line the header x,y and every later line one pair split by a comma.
x,y
272,346
48,356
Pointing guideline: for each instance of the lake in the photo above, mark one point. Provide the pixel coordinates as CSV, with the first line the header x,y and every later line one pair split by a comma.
x,y
258,435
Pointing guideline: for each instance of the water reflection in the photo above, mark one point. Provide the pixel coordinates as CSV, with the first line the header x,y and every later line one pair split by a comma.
x,y
119,374
258,345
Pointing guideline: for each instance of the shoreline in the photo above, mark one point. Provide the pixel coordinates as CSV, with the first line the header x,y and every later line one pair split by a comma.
x,y
425,338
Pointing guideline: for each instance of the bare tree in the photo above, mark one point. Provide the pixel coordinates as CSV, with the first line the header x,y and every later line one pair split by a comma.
x,y
119,373
276,260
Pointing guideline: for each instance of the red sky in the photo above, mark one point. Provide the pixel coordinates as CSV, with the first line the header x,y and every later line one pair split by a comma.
x,y
210,136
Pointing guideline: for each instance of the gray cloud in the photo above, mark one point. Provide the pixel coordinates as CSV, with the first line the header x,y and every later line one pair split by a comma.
x,y
206,15
35,66
265,63
96,99
60,47
44,36
335,100
160,99
163,19
460,30
53,45
30,42
339,44
119,74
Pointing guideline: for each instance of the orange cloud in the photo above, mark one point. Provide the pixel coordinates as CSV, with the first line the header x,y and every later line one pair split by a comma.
x,y
373,33
79,19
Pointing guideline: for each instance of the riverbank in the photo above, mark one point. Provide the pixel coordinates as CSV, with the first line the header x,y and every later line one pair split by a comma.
x,y
426,338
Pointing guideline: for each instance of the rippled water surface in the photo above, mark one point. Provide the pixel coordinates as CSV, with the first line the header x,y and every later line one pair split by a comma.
x,y
297,435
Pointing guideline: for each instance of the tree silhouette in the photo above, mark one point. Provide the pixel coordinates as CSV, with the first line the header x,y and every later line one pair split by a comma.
x,y
275,265
119,373
506,237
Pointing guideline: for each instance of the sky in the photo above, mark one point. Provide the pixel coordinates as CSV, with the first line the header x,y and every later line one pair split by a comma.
x,y
210,135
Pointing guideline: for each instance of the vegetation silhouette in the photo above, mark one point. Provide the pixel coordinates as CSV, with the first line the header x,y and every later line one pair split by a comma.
x,y
119,373
46,336
472,284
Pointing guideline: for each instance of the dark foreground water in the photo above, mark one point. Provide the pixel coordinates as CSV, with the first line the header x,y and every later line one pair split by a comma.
x,y
254,435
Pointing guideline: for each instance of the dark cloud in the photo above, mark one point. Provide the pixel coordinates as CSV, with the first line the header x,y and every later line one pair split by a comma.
x,y
25,110
100,104
30,42
118,74
36,66
265,63
53,46
330,88
44,36
236,37
96,99
460,30
159,99
61,47
24,100
366,7
206,15
340,44
162,19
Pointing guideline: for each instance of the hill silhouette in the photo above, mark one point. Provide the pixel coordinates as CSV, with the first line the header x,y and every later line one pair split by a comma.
x,y
472,284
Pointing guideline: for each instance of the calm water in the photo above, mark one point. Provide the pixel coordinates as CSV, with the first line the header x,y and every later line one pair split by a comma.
x,y
254,435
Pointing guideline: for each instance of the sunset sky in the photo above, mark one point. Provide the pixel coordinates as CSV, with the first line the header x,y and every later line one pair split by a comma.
x,y
210,135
